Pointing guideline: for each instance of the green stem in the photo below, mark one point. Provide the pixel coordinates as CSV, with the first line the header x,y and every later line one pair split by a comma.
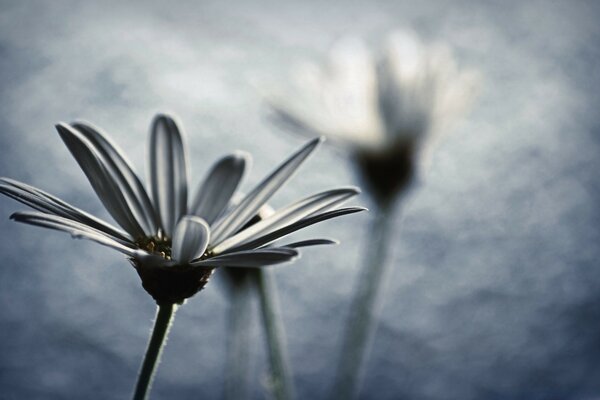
x,y
237,377
283,388
364,309
164,317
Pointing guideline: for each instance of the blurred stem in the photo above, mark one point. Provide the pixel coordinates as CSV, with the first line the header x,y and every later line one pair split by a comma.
x,y
237,376
283,388
364,308
164,317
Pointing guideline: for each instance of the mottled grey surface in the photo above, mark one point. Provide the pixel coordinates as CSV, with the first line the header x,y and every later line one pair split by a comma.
x,y
495,291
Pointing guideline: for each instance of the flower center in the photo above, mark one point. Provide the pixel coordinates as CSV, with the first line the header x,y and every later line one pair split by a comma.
x,y
157,245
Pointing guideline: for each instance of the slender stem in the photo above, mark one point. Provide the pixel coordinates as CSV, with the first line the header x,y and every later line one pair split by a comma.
x,y
164,317
364,309
283,388
237,375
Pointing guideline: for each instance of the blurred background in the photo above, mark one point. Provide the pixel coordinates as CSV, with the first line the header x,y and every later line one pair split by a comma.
x,y
495,291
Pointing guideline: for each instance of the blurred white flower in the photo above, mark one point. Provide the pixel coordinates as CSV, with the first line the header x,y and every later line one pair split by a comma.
x,y
382,108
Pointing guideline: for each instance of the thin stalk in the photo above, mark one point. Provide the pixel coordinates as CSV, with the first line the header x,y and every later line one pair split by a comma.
x,y
237,375
364,310
164,317
283,387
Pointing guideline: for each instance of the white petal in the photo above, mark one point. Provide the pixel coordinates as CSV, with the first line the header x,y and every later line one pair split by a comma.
x,y
219,186
45,202
76,229
190,239
287,118
248,207
288,215
250,259
168,172
310,242
101,180
303,223
114,160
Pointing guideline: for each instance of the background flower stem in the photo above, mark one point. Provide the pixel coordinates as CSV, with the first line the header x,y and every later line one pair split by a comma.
x,y
164,317
283,387
364,308
237,376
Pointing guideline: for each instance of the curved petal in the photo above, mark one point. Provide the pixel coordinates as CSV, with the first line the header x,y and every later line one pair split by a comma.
x,y
219,186
45,202
190,239
76,229
102,181
114,160
290,214
310,242
248,207
168,172
274,235
250,259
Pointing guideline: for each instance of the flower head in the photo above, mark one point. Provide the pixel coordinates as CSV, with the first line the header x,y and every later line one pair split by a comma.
x,y
382,109
175,244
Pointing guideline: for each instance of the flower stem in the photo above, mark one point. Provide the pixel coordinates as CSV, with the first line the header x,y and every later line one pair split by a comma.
x,y
164,317
237,376
283,388
364,308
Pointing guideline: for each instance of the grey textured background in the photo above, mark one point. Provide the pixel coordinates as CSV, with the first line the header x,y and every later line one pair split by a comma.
x,y
495,290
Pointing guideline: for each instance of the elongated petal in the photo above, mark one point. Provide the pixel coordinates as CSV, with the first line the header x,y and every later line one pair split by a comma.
x,y
290,214
45,202
168,172
248,207
114,160
250,259
219,186
287,119
190,239
76,229
303,223
102,181
310,242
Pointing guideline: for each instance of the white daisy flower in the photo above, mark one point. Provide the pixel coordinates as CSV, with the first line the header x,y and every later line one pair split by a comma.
x,y
173,243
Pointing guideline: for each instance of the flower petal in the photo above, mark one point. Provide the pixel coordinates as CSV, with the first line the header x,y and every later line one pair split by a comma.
x,y
249,259
287,119
288,215
102,181
114,160
219,186
303,223
310,242
76,229
45,202
168,172
190,239
248,207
